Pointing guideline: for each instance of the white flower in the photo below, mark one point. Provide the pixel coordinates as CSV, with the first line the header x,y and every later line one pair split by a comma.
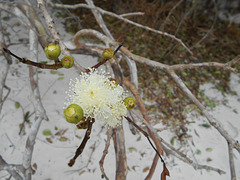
x,y
99,97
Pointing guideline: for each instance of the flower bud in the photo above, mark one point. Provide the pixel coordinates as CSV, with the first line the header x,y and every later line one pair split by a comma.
x,y
67,61
108,53
73,113
53,51
129,102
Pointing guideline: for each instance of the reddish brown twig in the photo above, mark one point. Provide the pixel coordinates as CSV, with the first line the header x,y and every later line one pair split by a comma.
x,y
105,151
144,112
165,170
83,143
146,135
103,60
153,167
57,64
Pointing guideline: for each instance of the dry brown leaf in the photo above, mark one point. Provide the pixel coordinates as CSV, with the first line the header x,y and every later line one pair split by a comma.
x,y
61,132
35,166
63,139
146,169
49,140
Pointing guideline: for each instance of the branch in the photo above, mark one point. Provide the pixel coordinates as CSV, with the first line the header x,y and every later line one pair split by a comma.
x,y
175,152
40,111
207,64
169,14
11,169
55,34
105,151
153,167
4,68
123,19
231,162
57,65
210,119
211,29
99,18
147,136
119,146
83,143
143,110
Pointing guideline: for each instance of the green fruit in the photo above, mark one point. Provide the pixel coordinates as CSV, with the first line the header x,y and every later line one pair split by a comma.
x,y
73,113
53,51
129,102
67,61
108,53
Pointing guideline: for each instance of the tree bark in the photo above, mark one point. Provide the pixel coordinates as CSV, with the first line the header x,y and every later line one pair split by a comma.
x,y
119,146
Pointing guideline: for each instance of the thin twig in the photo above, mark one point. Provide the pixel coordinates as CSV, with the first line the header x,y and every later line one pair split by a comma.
x,y
169,14
143,111
206,65
153,167
99,18
231,162
146,135
103,61
105,151
83,143
57,64
123,19
50,24
210,118
210,30
39,109
4,67
174,151
11,169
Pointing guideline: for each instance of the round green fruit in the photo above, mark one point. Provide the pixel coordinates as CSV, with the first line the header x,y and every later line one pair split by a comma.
x,y
53,51
73,113
129,102
67,61
108,53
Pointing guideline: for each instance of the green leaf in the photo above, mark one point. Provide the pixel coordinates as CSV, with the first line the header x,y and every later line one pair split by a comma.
x,y
60,78
53,72
47,132
17,105
211,104
131,149
209,149
217,72
139,138
184,73
205,125
172,141
82,172
181,48
198,152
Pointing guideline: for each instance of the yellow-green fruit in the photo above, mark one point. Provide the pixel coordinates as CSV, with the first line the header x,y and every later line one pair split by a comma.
x,y
53,51
129,102
108,53
73,113
67,61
